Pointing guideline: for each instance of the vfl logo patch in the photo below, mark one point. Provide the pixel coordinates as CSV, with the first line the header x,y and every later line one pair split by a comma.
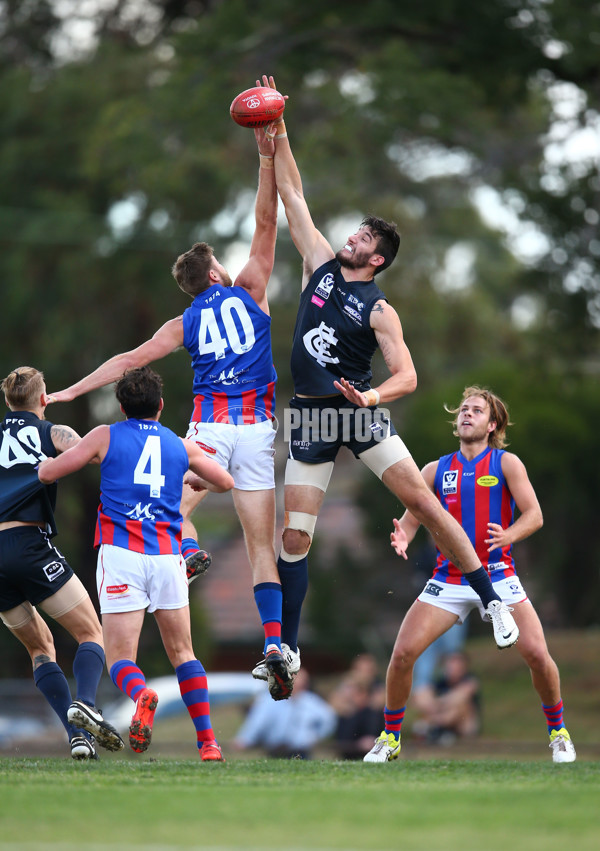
x,y
52,570
487,481
116,590
324,286
450,482
433,589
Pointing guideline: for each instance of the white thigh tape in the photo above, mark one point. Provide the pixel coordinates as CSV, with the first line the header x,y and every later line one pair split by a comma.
x,y
301,473
378,458
19,616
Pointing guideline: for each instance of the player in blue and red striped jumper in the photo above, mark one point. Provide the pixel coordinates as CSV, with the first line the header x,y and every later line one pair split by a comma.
x,y
479,485
227,330
138,535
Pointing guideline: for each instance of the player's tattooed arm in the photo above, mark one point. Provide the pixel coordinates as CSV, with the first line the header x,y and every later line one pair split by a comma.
x,y
386,350
63,437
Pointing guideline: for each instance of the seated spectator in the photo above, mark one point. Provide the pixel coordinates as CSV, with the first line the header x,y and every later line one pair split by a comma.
x,y
287,728
450,708
358,702
364,669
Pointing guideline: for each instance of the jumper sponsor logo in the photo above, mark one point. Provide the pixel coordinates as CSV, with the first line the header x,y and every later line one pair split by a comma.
x,y
224,376
317,343
53,570
324,287
141,512
497,565
487,481
328,425
356,302
353,314
450,482
433,589
228,378
117,590
318,301
208,449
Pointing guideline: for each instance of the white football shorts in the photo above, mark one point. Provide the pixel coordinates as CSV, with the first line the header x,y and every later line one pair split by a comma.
x,y
245,451
461,599
129,581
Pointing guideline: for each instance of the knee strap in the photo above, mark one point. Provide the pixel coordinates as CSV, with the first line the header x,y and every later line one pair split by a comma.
x,y
300,521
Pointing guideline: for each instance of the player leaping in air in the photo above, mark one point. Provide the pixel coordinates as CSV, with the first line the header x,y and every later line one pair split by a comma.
x,y
342,319
227,331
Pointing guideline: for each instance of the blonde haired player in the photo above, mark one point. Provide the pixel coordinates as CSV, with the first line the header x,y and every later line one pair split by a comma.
x,y
33,572
480,484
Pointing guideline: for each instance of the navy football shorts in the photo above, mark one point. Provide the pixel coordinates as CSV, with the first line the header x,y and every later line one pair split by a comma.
x,y
31,568
317,428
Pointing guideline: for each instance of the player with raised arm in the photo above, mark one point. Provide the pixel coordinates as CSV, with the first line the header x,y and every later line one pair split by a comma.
x,y
342,319
138,535
227,331
33,572
480,485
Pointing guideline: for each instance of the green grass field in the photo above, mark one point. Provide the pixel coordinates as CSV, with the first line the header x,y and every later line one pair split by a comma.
x,y
256,804
501,792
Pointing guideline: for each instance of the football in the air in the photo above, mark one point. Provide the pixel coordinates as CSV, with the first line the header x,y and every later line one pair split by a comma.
x,y
257,107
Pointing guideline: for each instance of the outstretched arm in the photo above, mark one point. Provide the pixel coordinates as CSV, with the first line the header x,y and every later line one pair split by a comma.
x,y
388,330
168,338
311,244
208,474
255,275
91,448
530,518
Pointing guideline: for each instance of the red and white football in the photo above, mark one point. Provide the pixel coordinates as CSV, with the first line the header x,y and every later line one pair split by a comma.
x,y
257,107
